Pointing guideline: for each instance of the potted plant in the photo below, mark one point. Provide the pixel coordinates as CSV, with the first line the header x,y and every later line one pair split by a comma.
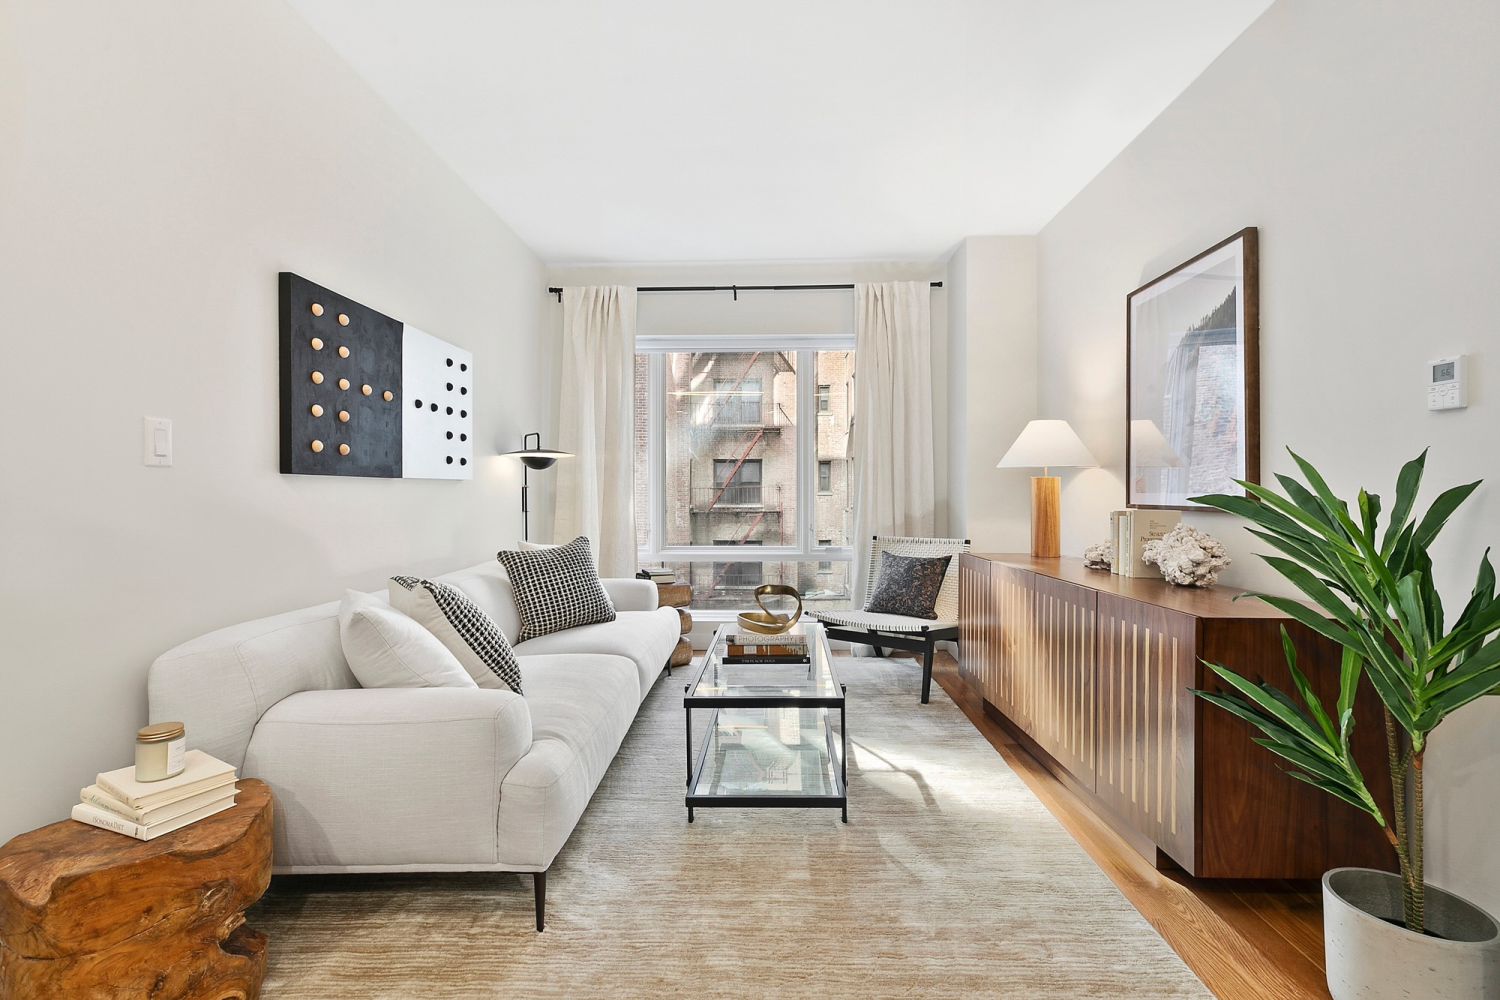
x,y
1373,593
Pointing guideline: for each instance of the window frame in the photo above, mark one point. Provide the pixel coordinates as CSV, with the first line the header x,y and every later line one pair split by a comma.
x,y
806,347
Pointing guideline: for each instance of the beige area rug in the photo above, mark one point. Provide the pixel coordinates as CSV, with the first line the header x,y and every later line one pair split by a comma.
x,y
950,880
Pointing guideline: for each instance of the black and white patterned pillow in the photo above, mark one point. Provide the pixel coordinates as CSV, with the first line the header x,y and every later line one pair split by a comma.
x,y
908,585
556,588
460,625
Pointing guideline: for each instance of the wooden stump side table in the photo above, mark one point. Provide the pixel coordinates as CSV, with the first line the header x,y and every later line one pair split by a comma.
x,y
679,596
86,913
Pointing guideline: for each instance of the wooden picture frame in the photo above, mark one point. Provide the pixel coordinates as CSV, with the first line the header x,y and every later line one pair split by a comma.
x,y
1192,378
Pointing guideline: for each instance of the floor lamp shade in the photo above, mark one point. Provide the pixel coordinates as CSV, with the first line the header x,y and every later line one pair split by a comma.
x,y
533,456
1045,444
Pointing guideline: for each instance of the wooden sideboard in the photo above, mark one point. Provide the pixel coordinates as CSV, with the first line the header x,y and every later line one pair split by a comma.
x,y
1092,672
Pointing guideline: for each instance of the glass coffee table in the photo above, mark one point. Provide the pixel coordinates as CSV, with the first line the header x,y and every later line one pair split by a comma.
x,y
770,740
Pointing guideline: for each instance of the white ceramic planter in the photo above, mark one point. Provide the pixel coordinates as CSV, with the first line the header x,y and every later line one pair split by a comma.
x,y
1370,958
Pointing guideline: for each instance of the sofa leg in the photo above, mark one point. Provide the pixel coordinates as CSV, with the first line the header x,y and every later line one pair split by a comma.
x,y
539,885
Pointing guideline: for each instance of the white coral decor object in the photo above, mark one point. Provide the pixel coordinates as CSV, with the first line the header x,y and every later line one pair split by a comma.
x,y
1100,555
1187,557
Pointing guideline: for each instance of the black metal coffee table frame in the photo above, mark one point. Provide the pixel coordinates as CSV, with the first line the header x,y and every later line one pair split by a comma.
x,y
716,702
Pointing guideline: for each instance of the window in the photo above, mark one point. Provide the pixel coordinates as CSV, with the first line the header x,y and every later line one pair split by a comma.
x,y
736,482
735,448
737,401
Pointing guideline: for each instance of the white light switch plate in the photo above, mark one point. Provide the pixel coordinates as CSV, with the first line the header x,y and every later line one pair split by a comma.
x,y
157,444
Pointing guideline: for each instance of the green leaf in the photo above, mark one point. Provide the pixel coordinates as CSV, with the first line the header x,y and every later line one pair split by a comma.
x,y
1265,698
1407,485
1309,696
1303,498
1369,514
1367,806
1442,508
1456,697
1306,555
1350,667
1314,589
1309,617
1487,657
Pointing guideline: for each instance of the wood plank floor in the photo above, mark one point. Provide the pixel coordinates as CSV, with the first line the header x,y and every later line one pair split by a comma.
x,y
1245,940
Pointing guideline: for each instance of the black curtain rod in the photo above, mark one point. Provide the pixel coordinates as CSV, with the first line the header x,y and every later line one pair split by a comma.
x,y
736,289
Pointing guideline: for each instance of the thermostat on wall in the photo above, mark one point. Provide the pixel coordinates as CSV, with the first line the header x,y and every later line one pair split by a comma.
x,y
1446,388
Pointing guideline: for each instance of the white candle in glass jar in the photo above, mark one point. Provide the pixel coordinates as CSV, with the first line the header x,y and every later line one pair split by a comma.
x,y
159,751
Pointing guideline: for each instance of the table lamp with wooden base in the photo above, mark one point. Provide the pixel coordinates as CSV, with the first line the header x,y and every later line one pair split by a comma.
x,y
1047,444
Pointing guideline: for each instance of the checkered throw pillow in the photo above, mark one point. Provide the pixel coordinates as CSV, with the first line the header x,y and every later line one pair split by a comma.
x,y
556,588
462,626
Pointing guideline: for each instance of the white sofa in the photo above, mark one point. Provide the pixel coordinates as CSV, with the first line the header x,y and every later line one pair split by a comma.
x,y
419,779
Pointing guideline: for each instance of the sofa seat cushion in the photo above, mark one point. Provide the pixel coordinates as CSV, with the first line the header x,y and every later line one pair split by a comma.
x,y
646,637
581,706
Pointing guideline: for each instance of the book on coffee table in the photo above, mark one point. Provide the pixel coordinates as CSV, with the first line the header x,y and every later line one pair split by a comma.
x,y
753,648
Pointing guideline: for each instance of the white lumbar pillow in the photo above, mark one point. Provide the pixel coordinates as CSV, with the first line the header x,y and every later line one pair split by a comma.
x,y
386,649
533,546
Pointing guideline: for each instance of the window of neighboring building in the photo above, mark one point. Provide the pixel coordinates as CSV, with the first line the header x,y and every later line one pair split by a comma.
x,y
825,565
825,400
738,401
737,481
737,575
825,477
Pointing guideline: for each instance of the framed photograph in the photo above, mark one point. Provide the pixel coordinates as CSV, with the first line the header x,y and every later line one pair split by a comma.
x,y
1193,378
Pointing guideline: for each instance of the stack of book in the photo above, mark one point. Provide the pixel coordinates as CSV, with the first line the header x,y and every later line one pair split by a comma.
x,y
147,809
657,574
748,647
1131,530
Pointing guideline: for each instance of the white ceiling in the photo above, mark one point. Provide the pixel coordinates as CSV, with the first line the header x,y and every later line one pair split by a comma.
x,y
691,130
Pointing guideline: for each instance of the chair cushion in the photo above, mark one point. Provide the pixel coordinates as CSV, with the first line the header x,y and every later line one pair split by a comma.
x,y
556,588
646,637
386,649
908,585
881,623
461,626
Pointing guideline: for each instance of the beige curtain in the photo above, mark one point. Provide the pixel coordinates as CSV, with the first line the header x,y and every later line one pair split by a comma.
x,y
892,416
596,489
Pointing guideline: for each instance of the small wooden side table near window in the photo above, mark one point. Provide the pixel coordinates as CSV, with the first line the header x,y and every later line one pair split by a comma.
x,y
679,596
86,912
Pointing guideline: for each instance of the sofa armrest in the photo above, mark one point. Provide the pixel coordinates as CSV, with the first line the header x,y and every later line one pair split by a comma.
x,y
388,776
630,594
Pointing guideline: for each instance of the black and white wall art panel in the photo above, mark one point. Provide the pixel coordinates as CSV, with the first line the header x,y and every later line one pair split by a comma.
x,y
437,424
363,394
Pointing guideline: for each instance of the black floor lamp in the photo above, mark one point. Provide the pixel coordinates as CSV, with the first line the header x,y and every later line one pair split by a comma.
x,y
537,458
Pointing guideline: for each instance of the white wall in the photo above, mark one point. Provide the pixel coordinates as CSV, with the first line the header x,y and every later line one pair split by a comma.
x,y
1362,138
992,333
159,164
828,311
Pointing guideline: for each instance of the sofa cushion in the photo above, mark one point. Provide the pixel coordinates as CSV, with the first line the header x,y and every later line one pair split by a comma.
x,y
581,707
557,588
461,626
386,649
646,637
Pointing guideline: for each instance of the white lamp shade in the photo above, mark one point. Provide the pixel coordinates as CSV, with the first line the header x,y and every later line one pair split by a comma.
x,y
1046,443
1149,448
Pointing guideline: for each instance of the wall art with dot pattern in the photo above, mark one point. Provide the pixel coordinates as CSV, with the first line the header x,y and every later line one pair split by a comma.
x,y
366,395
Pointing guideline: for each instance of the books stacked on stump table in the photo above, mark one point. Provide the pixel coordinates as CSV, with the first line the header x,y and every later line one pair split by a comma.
x,y
147,809
749,647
